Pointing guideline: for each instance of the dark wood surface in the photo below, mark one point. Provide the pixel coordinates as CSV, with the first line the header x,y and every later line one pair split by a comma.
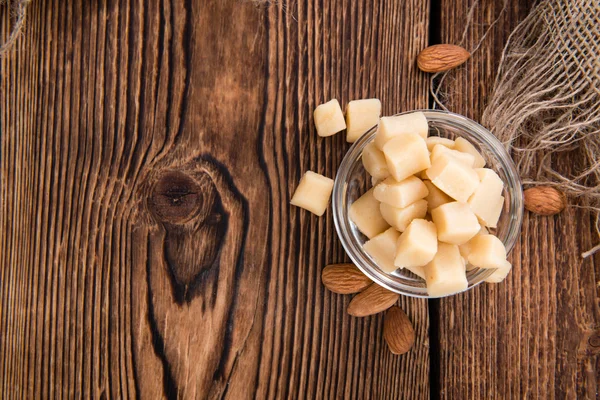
x,y
147,247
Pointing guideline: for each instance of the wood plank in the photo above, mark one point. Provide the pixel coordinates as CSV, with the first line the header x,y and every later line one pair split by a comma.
x,y
533,335
148,154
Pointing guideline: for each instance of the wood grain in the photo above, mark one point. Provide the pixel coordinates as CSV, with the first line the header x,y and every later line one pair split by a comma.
x,y
148,154
533,336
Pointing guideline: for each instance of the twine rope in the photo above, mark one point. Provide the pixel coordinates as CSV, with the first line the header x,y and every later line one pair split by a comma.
x,y
19,10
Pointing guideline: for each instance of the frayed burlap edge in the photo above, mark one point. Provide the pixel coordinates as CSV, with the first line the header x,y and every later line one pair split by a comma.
x,y
19,11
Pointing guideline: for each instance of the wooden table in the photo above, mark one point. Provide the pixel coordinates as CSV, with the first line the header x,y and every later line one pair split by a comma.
x,y
149,150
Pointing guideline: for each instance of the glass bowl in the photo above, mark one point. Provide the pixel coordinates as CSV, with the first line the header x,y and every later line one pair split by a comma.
x,y
352,181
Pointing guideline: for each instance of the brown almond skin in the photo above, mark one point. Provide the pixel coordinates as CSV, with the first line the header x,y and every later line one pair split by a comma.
x,y
344,278
398,331
372,300
544,200
441,57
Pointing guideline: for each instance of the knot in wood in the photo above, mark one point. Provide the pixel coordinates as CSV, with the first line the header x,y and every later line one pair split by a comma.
x,y
594,340
175,198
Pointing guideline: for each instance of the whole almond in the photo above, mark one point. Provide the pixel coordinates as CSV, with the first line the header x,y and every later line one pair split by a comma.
x,y
398,331
441,57
544,200
344,278
372,300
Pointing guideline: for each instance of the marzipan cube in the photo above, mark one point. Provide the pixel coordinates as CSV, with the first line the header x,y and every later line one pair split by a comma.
x,y
406,155
417,245
487,201
455,223
463,145
440,150
383,249
391,127
400,218
364,212
313,193
400,194
453,177
500,274
374,162
486,251
465,248
445,274
329,118
436,197
361,115
433,140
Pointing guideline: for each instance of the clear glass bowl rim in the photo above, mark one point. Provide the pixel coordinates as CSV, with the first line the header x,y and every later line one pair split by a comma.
x,y
342,222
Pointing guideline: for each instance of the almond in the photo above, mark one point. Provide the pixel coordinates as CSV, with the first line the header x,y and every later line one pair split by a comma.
x,y
398,331
544,200
441,57
344,278
372,300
